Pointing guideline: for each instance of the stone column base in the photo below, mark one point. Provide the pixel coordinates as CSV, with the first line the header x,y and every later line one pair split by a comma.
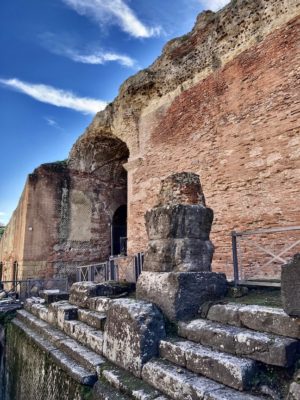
x,y
180,294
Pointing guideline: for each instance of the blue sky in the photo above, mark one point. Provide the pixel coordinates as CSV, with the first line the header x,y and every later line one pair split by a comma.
x,y
62,61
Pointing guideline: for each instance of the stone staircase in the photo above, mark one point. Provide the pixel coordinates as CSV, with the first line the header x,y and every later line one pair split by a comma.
x,y
221,347
215,357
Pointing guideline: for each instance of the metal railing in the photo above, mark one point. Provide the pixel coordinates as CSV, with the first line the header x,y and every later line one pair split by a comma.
x,y
109,270
101,272
259,254
32,287
138,264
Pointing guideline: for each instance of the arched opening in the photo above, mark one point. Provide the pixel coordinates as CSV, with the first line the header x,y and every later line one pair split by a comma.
x,y
119,231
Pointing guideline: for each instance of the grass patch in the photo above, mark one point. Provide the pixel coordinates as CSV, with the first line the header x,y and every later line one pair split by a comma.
x,y
260,297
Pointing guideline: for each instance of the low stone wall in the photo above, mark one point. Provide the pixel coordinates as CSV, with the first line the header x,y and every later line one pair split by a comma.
x,y
32,375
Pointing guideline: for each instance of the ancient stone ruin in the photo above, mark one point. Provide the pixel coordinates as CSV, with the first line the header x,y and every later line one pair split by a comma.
x,y
177,269
221,102
290,287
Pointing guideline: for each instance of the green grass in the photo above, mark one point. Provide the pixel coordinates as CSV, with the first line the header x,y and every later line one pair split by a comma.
x,y
261,297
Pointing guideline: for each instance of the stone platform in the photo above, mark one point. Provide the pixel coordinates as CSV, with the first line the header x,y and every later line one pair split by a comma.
x,y
120,348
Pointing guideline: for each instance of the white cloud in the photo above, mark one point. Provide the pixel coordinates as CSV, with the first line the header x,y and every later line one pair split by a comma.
x,y
54,96
116,12
214,5
51,122
100,57
90,55
2,214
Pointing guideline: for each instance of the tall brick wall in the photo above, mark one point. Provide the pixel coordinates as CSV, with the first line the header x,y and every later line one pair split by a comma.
x,y
64,216
239,130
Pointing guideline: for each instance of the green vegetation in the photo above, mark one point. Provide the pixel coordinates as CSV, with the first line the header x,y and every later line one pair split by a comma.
x,y
261,297
2,229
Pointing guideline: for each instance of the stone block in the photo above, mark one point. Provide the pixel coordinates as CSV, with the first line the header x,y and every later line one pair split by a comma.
x,y
181,188
92,318
294,391
179,221
268,319
132,333
60,312
100,304
40,311
180,384
126,383
51,296
180,294
103,391
290,286
232,371
258,318
225,313
81,292
179,255
264,347
85,335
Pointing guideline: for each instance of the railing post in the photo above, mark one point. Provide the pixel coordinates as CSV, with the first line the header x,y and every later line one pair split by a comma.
x,y
235,258
112,270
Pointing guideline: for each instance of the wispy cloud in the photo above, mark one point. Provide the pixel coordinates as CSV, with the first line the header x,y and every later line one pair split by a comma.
x,y
51,122
65,47
114,12
57,97
100,57
214,5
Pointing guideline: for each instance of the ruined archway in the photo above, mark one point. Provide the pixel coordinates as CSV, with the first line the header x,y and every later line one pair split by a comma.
x,y
97,199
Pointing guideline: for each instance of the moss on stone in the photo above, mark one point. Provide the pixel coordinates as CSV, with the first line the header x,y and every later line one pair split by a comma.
x,y
260,297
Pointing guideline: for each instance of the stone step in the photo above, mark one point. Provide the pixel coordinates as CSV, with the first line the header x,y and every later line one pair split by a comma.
x,y
92,318
264,347
100,304
232,371
85,335
66,363
85,357
179,384
43,328
36,307
258,318
130,385
60,312
103,391
82,292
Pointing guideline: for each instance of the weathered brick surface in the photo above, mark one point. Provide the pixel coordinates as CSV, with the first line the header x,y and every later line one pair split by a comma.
x,y
64,215
238,129
223,102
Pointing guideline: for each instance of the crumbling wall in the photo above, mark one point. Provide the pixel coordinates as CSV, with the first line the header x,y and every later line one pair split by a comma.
x,y
221,101
12,242
64,217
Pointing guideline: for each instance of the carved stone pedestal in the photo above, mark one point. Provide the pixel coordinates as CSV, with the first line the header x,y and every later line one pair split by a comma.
x,y
180,294
177,273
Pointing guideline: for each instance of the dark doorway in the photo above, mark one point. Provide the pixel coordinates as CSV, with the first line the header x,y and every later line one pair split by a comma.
x,y
119,231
